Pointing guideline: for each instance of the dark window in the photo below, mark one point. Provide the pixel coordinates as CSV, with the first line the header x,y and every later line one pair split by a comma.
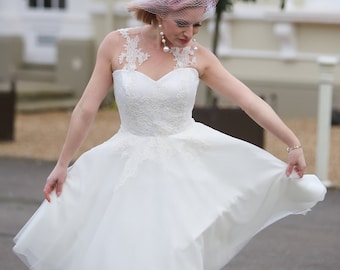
x,y
62,4
33,3
47,4
46,40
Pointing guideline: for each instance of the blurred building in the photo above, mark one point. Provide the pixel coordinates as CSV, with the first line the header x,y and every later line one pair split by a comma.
x,y
273,51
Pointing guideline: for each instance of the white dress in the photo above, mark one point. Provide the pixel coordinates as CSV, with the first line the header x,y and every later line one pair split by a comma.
x,y
165,192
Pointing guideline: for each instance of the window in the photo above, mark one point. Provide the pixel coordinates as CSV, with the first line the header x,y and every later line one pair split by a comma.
x,y
62,3
47,4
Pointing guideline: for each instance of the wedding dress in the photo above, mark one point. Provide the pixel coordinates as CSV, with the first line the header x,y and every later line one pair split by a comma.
x,y
165,192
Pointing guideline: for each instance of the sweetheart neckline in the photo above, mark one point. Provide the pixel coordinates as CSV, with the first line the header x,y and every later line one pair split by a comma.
x,y
159,79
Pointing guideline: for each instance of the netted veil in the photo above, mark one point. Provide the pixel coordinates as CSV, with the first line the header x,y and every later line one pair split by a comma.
x,y
163,8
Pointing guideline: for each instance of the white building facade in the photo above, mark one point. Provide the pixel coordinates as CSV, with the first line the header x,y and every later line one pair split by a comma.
x,y
275,52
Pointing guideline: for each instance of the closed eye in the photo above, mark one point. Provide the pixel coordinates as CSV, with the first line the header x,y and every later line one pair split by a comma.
x,y
180,23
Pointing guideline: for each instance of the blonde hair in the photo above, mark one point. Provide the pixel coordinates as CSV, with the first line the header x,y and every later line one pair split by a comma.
x,y
144,16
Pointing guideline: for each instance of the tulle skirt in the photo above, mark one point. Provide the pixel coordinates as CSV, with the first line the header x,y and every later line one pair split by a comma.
x,y
187,201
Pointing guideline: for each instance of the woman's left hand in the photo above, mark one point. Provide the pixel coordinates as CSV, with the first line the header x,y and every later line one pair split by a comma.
x,y
296,162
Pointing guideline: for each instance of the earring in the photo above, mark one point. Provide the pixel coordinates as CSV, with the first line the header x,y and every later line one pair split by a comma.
x,y
195,47
166,49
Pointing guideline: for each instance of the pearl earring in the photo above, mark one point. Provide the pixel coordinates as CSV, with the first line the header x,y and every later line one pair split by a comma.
x,y
195,47
166,49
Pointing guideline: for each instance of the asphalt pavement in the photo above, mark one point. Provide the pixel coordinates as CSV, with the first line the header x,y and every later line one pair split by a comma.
x,y
310,242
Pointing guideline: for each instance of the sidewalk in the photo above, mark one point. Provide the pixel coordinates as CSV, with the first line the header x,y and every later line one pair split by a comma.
x,y
310,242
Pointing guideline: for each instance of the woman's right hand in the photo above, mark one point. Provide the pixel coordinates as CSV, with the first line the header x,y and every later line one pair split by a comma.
x,y
55,181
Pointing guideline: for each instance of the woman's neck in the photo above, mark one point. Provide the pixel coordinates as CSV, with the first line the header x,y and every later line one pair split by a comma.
x,y
150,33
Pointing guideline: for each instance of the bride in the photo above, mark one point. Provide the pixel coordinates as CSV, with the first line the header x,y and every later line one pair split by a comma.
x,y
165,192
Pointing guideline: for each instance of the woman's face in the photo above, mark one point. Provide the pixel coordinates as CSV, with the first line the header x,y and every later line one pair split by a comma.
x,y
180,27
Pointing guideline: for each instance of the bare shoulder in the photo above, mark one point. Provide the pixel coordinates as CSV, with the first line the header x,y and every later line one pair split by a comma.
x,y
112,39
113,44
120,34
206,59
111,47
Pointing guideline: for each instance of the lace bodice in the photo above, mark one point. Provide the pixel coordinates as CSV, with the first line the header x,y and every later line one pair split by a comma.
x,y
154,107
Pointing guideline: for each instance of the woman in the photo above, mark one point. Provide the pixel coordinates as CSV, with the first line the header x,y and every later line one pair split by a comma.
x,y
165,192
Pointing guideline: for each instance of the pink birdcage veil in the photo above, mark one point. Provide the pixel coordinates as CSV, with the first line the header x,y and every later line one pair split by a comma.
x,y
163,8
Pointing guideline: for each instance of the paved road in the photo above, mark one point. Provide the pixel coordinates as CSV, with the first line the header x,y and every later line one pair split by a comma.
x,y
310,242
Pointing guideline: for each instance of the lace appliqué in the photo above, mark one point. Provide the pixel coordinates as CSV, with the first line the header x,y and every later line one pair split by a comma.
x,y
132,53
183,57
137,151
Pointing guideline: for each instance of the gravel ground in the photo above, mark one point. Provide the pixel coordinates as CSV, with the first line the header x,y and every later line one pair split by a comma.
x,y
41,135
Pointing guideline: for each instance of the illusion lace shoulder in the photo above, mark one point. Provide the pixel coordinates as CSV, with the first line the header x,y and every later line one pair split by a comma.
x,y
165,192
152,107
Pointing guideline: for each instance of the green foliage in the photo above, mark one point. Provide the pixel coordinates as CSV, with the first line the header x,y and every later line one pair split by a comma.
x,y
282,4
224,5
227,5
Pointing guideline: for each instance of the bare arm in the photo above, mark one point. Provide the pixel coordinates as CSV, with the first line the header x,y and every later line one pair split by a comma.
x,y
219,79
83,115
